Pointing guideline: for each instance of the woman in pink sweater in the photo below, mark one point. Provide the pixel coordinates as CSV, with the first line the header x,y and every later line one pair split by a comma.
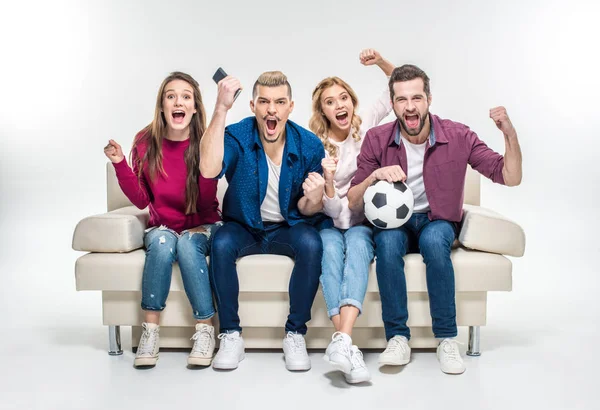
x,y
183,209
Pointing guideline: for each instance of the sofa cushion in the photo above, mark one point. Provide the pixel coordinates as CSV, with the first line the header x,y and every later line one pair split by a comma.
x,y
474,271
121,230
486,230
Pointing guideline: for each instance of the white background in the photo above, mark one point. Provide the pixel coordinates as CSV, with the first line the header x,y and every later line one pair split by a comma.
x,y
74,74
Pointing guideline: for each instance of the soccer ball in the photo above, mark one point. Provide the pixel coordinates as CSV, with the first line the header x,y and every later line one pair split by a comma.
x,y
388,205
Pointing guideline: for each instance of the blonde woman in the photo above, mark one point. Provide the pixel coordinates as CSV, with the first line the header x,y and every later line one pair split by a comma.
x,y
348,246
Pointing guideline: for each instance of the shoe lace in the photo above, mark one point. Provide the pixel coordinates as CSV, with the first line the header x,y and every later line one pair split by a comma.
x,y
395,345
296,342
357,358
147,341
201,341
343,346
451,351
228,341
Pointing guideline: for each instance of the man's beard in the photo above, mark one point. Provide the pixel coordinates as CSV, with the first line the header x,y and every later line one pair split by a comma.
x,y
410,131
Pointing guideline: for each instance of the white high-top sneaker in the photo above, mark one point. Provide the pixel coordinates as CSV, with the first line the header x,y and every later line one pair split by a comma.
x,y
147,351
359,372
397,352
204,345
231,351
294,350
449,356
338,353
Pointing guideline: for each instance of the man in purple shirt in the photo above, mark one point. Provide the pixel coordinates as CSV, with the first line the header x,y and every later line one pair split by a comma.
x,y
431,155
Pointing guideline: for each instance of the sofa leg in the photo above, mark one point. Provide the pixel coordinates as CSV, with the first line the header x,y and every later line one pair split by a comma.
x,y
114,341
474,340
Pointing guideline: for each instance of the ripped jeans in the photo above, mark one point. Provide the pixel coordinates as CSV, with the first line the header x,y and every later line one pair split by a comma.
x,y
165,246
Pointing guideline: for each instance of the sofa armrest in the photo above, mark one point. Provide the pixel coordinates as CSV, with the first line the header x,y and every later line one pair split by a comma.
x,y
121,230
485,230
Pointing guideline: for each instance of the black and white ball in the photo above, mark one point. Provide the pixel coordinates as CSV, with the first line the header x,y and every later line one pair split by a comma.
x,y
388,205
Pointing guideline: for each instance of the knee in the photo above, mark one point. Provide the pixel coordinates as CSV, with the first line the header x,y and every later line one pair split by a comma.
x,y
391,243
223,242
308,241
192,242
434,243
161,243
333,245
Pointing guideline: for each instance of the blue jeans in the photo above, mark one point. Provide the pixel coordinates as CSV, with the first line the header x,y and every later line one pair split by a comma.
x,y
163,247
433,239
301,242
347,255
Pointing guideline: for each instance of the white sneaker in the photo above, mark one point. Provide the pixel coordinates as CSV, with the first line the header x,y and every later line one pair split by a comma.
x,y
294,350
338,353
359,372
147,351
231,351
204,345
397,352
449,356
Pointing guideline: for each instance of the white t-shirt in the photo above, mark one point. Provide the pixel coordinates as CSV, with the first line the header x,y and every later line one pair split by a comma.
x,y
269,209
348,150
415,154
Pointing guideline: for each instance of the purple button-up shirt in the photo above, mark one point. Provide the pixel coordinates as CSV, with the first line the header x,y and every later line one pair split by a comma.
x,y
451,146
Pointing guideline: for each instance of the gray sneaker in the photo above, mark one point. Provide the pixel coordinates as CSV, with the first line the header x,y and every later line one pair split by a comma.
x,y
204,345
397,352
294,350
147,351
231,351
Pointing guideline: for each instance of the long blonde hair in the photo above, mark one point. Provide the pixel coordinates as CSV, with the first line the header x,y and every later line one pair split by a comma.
x,y
153,134
320,125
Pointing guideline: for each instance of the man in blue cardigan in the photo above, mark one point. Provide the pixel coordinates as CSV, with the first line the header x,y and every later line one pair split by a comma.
x,y
272,204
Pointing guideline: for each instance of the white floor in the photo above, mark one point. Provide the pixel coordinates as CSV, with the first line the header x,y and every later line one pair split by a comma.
x,y
63,367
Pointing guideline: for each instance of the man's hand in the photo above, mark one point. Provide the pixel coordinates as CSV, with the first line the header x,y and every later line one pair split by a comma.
x,y
313,187
502,121
329,166
114,152
369,56
392,173
226,91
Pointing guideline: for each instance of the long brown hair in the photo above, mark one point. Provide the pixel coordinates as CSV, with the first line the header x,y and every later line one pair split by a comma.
x,y
320,125
154,133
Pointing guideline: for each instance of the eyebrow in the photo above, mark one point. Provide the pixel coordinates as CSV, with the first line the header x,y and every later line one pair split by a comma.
x,y
171,89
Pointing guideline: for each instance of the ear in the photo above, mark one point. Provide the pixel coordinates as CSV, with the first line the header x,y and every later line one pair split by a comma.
x,y
291,106
252,106
429,99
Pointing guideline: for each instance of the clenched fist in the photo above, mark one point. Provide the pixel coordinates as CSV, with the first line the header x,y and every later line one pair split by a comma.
x,y
370,57
114,152
226,91
329,166
500,117
313,187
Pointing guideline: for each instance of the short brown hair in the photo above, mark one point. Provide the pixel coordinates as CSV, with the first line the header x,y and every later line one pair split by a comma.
x,y
408,72
272,79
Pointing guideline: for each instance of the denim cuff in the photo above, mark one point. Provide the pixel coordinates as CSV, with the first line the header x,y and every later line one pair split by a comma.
x,y
351,302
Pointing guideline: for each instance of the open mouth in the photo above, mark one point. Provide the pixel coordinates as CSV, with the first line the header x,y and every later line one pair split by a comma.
x,y
342,118
178,116
271,125
412,121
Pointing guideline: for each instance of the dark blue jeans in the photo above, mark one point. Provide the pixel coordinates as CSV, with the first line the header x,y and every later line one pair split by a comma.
x,y
433,239
232,241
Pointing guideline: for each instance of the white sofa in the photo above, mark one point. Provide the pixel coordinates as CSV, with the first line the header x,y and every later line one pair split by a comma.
x,y
115,259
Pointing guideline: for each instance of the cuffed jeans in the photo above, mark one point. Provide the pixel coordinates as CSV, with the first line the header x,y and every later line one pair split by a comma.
x,y
347,255
163,247
433,239
301,242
